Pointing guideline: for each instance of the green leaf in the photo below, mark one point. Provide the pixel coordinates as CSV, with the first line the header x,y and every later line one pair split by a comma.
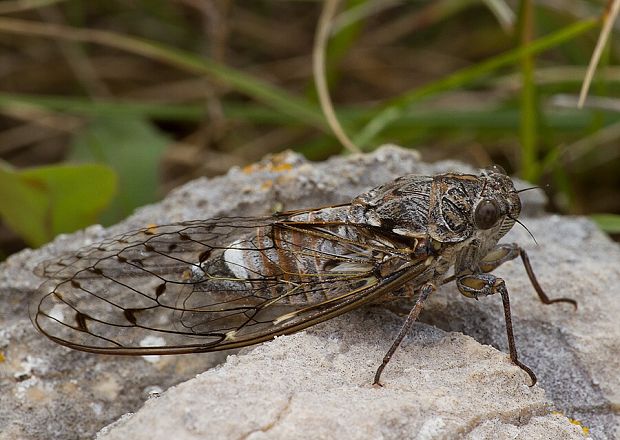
x,y
131,146
39,203
609,223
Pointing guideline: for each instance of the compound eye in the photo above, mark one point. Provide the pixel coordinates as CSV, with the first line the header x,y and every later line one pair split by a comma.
x,y
486,214
496,169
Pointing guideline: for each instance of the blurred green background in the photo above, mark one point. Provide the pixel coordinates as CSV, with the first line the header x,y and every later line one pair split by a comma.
x,y
107,105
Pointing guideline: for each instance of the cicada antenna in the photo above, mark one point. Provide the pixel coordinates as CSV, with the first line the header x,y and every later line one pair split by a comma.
x,y
524,227
517,220
527,189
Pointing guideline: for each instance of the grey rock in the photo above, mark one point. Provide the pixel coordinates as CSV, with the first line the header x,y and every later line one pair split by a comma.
x,y
316,384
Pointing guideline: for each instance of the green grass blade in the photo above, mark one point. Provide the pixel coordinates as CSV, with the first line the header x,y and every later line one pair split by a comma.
x,y
506,119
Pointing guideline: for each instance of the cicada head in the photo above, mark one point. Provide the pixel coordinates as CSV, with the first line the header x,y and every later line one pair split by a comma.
x,y
498,205
466,208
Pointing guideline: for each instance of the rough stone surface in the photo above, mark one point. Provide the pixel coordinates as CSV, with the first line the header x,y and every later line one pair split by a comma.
x,y
440,384
317,385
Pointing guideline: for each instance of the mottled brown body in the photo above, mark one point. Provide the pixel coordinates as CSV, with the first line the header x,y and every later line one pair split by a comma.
x,y
207,285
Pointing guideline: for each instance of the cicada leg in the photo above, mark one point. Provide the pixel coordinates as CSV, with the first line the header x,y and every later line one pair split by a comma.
x,y
425,292
486,284
506,252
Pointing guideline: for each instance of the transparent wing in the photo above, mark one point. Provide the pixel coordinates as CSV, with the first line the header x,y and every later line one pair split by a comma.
x,y
212,285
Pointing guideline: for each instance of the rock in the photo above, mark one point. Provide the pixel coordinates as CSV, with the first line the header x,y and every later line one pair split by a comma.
x,y
316,384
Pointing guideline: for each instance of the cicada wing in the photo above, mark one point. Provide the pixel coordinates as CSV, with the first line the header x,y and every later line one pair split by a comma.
x,y
178,237
206,285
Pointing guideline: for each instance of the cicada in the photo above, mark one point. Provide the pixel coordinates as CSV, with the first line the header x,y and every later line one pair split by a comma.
x,y
207,285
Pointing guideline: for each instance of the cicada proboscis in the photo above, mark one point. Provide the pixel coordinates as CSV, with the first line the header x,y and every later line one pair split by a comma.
x,y
208,285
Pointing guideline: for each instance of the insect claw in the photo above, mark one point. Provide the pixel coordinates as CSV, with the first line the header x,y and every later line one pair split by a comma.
x,y
565,300
529,373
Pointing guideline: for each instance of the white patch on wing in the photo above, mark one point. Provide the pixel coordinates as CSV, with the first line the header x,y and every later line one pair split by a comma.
x,y
197,272
351,267
57,313
234,258
152,341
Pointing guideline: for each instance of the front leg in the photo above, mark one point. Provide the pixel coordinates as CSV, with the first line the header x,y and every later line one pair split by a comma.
x,y
485,284
506,252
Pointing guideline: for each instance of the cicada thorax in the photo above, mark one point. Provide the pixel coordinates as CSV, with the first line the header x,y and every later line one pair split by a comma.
x,y
451,205
400,207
